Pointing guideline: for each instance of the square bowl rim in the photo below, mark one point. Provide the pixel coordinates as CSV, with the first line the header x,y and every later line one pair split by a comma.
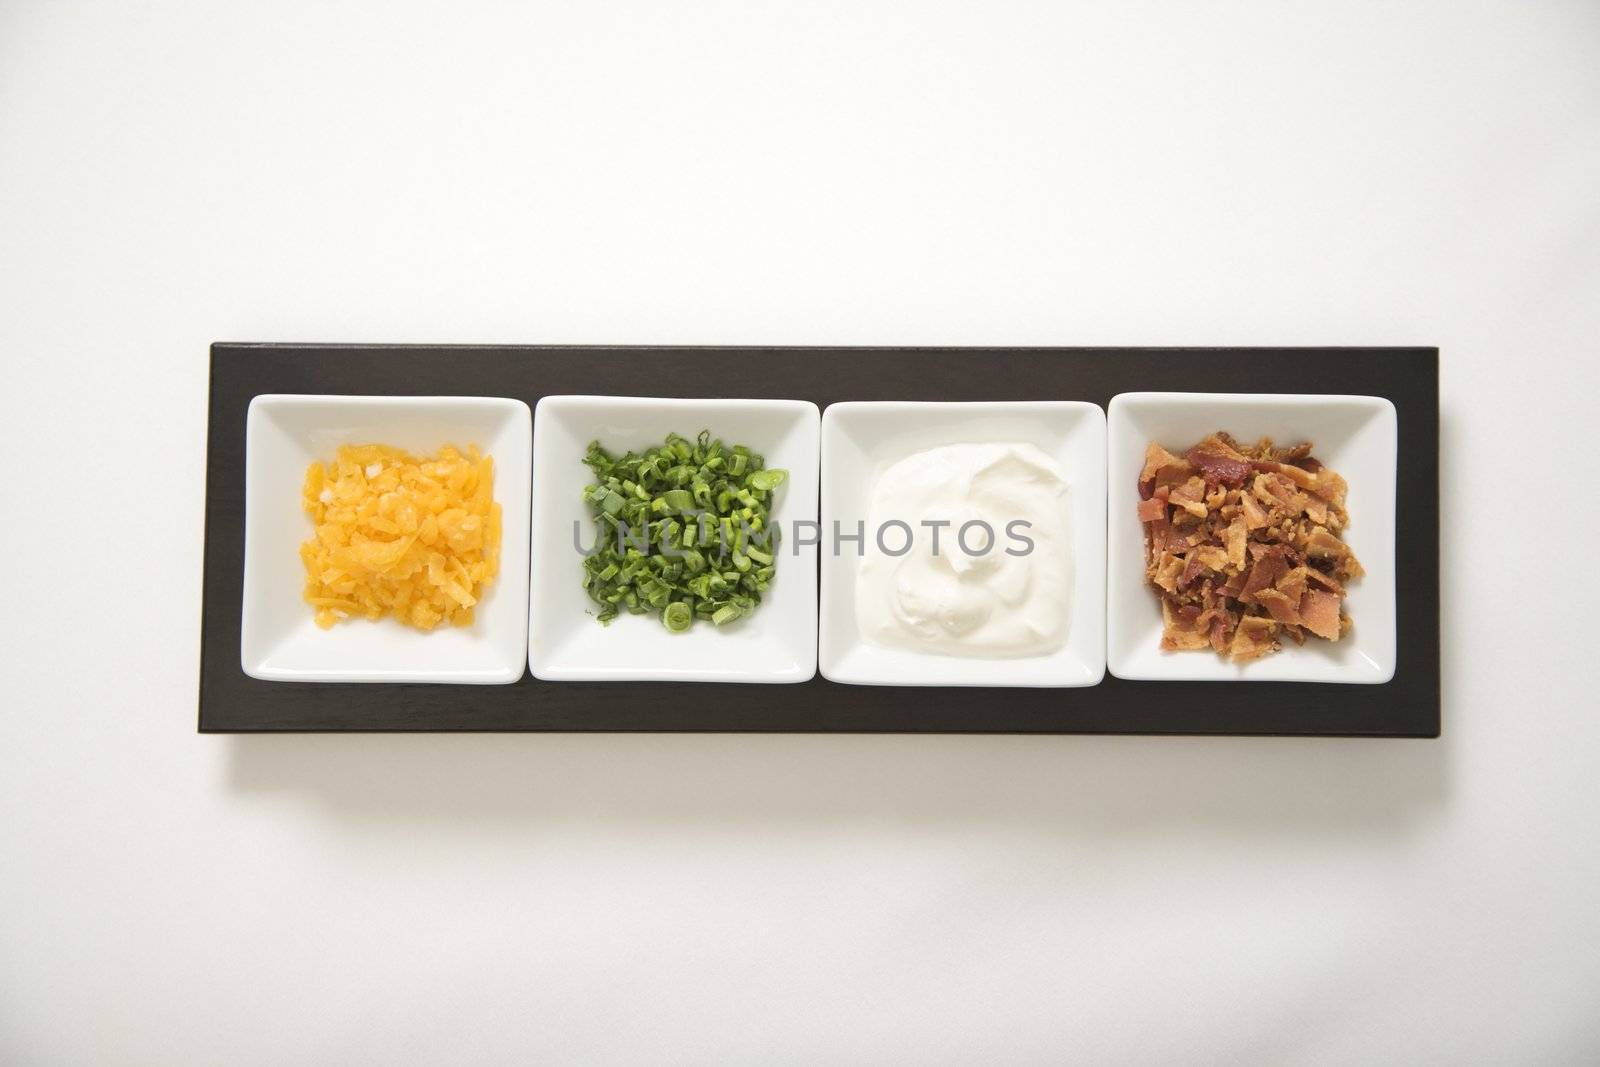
x,y
1118,658
806,416
556,400
1264,399
261,406
381,400
1085,410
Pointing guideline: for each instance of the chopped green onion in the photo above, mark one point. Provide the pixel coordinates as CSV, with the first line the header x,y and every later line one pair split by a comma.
x,y
678,617
767,480
679,529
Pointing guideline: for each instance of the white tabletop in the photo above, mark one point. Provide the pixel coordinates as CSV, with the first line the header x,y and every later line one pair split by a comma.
x,y
172,174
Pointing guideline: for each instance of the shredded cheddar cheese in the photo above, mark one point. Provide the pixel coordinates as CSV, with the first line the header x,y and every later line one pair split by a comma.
x,y
415,537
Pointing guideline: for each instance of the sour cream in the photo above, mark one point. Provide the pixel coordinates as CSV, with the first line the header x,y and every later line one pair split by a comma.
x,y
1000,593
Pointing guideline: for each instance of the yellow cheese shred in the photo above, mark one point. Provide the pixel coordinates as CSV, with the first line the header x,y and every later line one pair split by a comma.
x,y
396,534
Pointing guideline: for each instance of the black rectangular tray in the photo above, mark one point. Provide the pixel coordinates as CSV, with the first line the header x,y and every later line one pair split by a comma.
x,y
1407,706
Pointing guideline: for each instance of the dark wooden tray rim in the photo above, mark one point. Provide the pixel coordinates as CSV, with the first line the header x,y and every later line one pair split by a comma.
x,y
1407,706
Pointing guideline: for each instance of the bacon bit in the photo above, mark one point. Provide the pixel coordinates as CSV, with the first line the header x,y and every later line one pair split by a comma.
x,y
1219,632
1292,454
1156,459
1272,547
1176,475
1166,537
1254,517
1176,640
1235,584
1253,638
1293,584
1191,570
1323,545
1278,605
1267,570
1319,613
1218,468
1167,576
1302,479
1204,559
1229,531
1236,536
1178,633
1190,496
1330,487
1279,494
1325,580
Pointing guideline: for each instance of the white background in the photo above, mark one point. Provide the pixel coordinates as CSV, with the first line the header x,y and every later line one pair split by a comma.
x,y
859,172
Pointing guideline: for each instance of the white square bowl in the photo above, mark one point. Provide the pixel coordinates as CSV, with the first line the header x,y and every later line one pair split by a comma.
x,y
862,439
279,640
1355,435
776,643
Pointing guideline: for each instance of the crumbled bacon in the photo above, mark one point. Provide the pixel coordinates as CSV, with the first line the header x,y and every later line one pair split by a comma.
x,y
1243,545
1255,516
1279,606
1219,632
1236,536
1253,638
1323,545
1218,462
1264,573
1161,468
1292,585
1319,613
1190,496
1169,537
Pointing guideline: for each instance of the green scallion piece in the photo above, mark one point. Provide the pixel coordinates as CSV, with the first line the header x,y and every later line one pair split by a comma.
x,y
768,480
678,617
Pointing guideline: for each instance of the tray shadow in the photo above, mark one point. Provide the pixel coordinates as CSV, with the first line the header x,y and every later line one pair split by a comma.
x,y
1250,786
